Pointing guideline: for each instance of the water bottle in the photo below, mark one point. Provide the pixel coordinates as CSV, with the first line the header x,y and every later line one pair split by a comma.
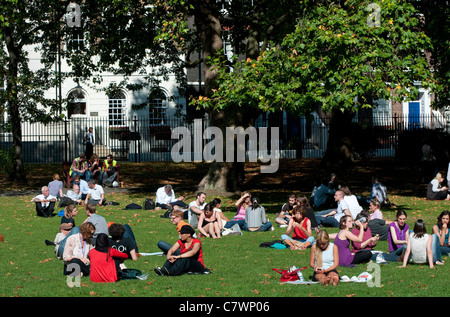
x,y
300,276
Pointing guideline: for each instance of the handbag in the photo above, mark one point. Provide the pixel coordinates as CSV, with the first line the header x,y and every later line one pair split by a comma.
x,y
289,276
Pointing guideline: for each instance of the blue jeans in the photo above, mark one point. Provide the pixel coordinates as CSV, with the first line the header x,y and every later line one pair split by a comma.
x,y
436,248
74,230
264,227
327,221
87,173
232,222
310,239
165,247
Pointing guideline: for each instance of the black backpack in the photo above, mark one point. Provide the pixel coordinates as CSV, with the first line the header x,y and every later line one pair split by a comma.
x,y
149,204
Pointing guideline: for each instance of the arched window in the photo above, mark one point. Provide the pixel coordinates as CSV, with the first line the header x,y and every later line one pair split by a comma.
x,y
117,106
76,102
157,107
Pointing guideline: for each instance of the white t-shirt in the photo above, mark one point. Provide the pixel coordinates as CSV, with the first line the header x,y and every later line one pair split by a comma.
x,y
342,205
353,205
96,192
192,219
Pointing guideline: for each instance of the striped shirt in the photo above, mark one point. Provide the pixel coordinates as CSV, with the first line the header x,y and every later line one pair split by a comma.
x,y
255,218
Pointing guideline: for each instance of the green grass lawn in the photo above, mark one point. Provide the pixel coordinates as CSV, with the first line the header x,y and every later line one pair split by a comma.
x,y
240,268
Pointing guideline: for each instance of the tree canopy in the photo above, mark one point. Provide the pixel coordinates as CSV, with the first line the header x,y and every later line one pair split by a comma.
x,y
340,53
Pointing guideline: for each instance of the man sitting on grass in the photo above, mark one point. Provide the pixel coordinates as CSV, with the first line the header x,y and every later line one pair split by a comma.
x,y
96,193
45,203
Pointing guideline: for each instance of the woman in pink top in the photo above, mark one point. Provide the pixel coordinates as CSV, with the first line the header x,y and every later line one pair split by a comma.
x,y
241,204
374,208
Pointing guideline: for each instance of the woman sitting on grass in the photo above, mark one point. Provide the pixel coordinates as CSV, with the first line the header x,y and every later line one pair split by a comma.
x,y
398,235
343,238
441,231
437,189
255,217
105,261
300,227
70,211
418,248
209,223
76,251
324,259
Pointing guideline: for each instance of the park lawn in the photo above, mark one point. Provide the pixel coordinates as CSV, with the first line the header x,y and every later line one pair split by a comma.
x,y
240,268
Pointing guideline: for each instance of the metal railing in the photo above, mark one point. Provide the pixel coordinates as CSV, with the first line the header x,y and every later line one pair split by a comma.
x,y
139,139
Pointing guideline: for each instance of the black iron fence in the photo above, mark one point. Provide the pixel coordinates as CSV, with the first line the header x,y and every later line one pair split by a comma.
x,y
139,139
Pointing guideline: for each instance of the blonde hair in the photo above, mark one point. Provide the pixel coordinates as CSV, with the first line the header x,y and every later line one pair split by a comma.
x,y
68,210
56,177
321,238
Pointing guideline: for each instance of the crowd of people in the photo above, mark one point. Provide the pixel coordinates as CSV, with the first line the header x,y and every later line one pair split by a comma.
x,y
98,249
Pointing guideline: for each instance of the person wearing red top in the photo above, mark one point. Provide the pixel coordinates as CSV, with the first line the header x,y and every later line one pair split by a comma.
x,y
104,267
190,259
300,227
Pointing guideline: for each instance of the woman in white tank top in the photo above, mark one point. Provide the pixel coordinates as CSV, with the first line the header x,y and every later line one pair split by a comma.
x,y
418,248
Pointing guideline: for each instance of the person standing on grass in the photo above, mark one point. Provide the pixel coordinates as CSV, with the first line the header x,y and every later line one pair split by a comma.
x,y
190,259
324,259
442,232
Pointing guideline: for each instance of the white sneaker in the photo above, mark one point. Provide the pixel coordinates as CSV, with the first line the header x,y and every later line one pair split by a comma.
x,y
380,259
282,226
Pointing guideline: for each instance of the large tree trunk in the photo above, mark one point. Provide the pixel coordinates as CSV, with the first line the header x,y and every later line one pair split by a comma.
x,y
17,174
339,152
221,176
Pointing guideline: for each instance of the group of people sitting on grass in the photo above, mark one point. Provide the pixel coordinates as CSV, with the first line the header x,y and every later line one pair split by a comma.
x,y
105,171
405,245
209,219
98,249
83,190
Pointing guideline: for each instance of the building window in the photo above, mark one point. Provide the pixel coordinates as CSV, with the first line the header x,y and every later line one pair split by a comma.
x,y
76,40
382,112
117,105
158,108
76,103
